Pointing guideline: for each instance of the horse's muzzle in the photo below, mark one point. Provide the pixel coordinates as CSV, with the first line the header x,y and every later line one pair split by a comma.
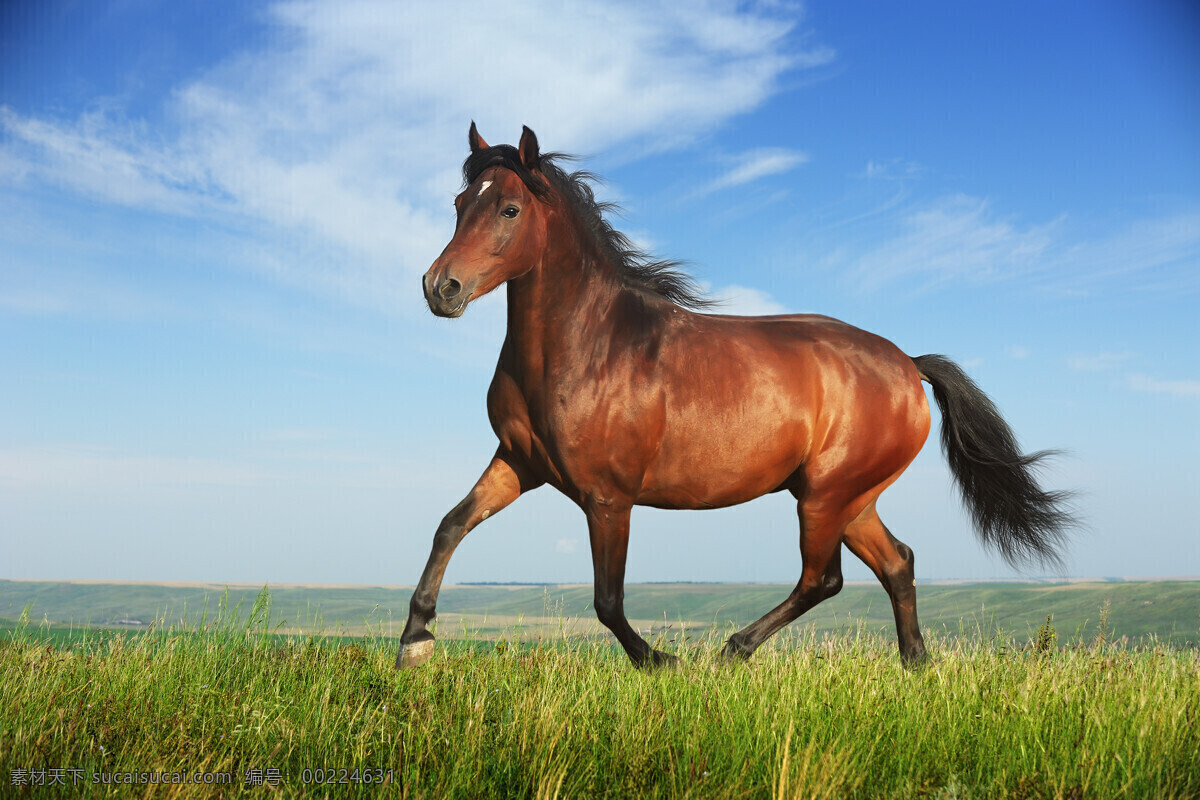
x,y
447,297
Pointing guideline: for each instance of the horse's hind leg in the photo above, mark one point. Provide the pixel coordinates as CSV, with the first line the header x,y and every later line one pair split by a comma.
x,y
820,578
502,482
892,562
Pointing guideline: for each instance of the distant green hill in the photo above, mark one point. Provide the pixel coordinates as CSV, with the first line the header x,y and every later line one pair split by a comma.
x,y
1169,610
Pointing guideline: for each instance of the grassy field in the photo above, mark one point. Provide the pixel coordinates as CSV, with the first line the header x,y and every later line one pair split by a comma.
x,y
1167,610
810,716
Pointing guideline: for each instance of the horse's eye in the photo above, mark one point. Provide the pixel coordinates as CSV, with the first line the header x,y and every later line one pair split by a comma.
x,y
510,212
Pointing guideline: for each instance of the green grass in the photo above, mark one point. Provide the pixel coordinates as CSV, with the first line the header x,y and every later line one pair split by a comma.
x,y
810,716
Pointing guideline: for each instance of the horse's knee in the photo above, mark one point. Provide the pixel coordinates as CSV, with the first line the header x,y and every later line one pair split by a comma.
x,y
449,532
831,585
455,518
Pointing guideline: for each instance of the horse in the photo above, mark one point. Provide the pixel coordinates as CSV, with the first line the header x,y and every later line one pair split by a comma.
x,y
616,387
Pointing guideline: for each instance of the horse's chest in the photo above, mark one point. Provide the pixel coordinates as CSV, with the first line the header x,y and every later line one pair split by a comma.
x,y
572,434
526,425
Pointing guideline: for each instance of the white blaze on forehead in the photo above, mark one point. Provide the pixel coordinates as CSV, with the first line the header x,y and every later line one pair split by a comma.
x,y
483,188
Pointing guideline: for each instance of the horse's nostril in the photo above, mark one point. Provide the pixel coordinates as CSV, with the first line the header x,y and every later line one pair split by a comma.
x,y
449,289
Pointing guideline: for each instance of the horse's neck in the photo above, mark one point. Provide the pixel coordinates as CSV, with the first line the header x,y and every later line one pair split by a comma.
x,y
556,307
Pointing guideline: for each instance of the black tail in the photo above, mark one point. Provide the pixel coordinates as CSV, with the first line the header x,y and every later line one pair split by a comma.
x,y
998,484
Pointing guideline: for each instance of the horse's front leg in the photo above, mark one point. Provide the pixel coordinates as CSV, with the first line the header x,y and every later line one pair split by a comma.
x,y
608,529
502,482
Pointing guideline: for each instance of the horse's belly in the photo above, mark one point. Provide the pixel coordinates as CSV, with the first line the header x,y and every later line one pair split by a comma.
x,y
719,465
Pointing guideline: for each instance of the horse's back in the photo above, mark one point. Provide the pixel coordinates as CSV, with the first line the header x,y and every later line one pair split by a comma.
x,y
813,342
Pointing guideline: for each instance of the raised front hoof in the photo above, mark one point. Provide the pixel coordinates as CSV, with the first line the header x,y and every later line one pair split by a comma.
x,y
414,654
659,660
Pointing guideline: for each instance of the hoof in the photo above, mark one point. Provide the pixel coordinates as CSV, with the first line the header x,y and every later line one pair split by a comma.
x,y
414,654
916,662
659,660
735,654
662,659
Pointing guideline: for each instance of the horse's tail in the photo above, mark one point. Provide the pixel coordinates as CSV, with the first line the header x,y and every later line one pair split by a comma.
x,y
998,484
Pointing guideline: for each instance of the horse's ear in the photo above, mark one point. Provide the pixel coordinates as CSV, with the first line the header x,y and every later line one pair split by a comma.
x,y
528,147
475,140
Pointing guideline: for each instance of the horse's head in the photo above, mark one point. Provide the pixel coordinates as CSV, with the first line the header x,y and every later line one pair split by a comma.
x,y
500,229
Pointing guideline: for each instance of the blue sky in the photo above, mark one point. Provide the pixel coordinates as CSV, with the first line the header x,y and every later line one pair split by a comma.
x,y
217,365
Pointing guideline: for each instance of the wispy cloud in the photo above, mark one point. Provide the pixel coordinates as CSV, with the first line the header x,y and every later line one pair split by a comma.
x,y
32,301
1138,382
100,157
1155,254
1177,388
957,238
746,301
754,165
1098,362
961,239
343,130
893,169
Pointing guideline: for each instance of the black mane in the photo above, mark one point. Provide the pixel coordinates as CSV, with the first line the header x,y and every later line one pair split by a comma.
x,y
636,268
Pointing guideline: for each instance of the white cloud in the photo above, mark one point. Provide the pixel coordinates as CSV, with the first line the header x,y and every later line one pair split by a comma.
x,y
754,165
894,169
1016,351
1144,383
955,239
32,301
1138,382
960,239
1098,362
746,301
566,546
342,134
98,157
1157,254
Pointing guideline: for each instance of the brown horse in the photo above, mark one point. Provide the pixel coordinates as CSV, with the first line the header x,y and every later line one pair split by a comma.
x,y
611,390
